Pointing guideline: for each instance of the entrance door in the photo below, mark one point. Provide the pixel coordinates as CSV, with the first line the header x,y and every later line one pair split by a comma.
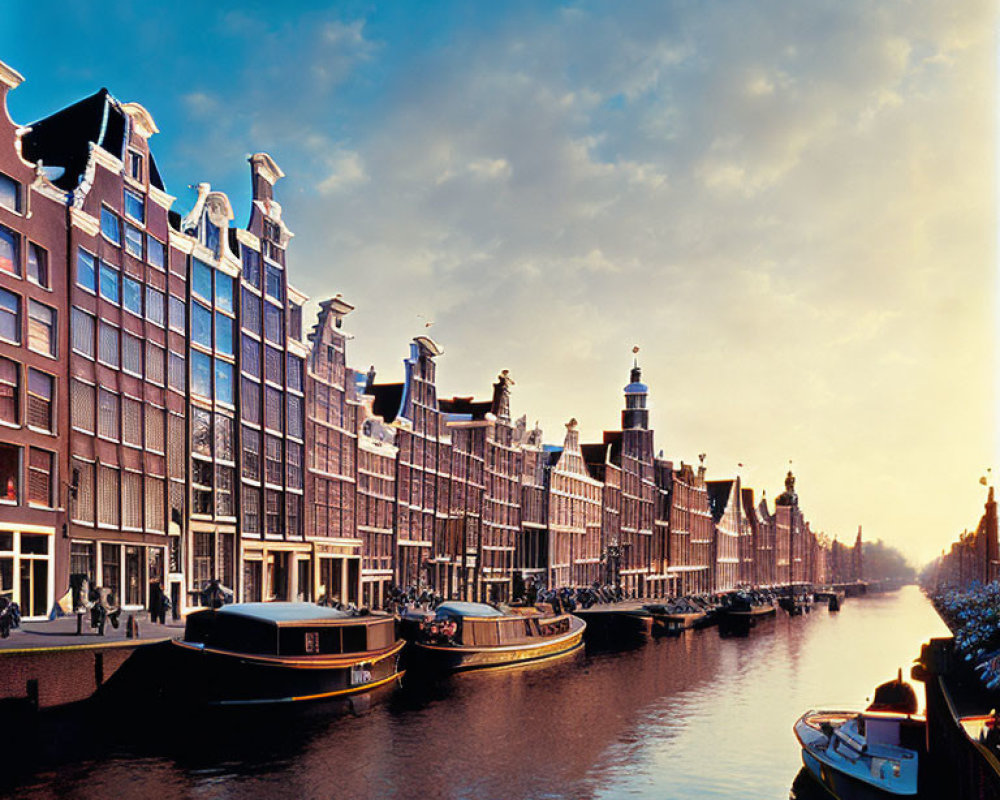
x,y
133,576
304,579
353,579
34,587
277,575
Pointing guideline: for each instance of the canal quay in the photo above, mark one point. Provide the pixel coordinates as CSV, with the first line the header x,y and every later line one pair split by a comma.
x,y
700,715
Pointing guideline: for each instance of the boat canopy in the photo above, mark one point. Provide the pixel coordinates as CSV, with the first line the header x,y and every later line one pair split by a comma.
x,y
278,613
458,609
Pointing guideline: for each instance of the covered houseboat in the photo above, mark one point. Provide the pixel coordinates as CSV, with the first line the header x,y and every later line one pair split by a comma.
x,y
462,636
266,653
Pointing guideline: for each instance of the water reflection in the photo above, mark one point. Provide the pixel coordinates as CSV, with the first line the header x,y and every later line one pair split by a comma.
x,y
699,716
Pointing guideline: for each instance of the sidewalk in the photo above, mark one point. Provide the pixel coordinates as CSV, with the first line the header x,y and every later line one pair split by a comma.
x,y
61,633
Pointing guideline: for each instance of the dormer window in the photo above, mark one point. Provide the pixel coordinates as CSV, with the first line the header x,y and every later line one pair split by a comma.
x,y
10,194
135,206
212,238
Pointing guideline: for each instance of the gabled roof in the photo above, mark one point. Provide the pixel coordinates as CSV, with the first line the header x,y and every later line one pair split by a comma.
x,y
63,139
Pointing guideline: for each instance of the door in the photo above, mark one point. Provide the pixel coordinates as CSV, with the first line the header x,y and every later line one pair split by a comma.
x,y
133,576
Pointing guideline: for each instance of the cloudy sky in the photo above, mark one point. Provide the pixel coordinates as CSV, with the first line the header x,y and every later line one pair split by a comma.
x,y
789,206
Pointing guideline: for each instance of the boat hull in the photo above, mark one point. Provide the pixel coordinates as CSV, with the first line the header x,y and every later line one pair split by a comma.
x,y
447,658
218,678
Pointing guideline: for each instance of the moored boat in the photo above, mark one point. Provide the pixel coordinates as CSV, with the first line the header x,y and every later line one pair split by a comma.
x,y
748,606
678,615
250,654
463,636
866,755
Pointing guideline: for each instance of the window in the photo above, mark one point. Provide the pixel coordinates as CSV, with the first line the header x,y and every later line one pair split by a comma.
x,y
40,478
201,280
212,236
132,354
107,345
108,415
135,165
41,328
9,394
224,505
155,306
10,194
202,558
201,478
295,321
223,292
224,334
274,330
201,432
110,279
156,252
272,365
250,400
10,474
83,333
293,519
273,459
176,435
275,283
81,406
110,226
223,382
154,504
272,409
176,376
131,500
82,479
10,251
251,267
250,356
295,421
251,312
131,295
10,316
133,240
201,325
250,501
40,389
294,452
108,500
86,270
272,511
251,454
177,314
201,374
294,372
155,428
224,436
156,363
135,206
131,422
38,265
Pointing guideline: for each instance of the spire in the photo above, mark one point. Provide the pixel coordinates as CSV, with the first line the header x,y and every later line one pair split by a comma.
x,y
636,414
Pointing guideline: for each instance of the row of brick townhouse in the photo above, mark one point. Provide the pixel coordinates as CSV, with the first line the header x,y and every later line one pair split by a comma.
x,y
168,422
973,558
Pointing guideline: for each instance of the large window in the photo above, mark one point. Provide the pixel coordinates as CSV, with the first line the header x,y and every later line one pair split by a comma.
x,y
177,314
250,361
224,382
132,354
132,500
131,295
224,505
155,417
10,473
82,479
110,282
294,376
251,454
201,374
107,344
275,284
272,511
155,306
9,392
10,316
10,251
86,270
38,265
201,432
40,469
294,452
108,503
82,405
295,421
111,226
250,400
156,363
131,422
272,409
223,292
251,267
201,280
83,333
41,328
224,437
135,206
274,324
40,392
224,334
10,193
176,375
133,240
155,252
201,325
251,311
202,478
108,414
273,459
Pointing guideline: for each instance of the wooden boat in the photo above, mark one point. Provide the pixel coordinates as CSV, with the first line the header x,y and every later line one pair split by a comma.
x,y
679,615
265,653
870,755
743,607
463,636
625,622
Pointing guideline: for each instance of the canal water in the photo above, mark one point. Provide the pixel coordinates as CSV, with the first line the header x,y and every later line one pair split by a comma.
x,y
699,716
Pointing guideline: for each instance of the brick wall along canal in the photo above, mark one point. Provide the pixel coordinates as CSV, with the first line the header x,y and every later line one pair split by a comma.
x,y
693,717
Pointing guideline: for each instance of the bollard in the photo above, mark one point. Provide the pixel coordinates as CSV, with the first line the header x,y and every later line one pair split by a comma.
x,y
131,628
